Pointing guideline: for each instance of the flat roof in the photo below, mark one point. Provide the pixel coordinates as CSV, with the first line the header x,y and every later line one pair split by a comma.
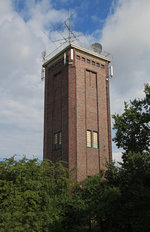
x,y
52,56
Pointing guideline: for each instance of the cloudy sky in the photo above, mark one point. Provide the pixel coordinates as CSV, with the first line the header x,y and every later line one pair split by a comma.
x,y
28,27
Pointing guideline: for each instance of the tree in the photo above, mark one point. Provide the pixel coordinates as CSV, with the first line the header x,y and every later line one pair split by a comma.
x,y
92,206
133,126
132,178
30,195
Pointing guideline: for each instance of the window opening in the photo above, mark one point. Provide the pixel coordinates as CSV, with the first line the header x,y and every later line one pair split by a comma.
x,y
57,140
92,139
95,139
89,138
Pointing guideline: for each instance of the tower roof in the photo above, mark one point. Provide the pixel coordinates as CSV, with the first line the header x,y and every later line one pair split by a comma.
x,y
57,52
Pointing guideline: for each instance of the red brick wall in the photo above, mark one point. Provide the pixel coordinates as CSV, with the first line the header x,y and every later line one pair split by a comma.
x,y
77,99
56,110
92,114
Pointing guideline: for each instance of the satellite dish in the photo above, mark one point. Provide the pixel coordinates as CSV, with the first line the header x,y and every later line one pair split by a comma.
x,y
96,47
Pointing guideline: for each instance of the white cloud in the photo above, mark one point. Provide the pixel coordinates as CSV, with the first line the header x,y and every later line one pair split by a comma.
x,y
21,90
126,35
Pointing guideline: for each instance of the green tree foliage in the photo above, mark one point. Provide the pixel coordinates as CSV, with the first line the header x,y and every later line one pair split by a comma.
x,y
30,195
92,206
39,196
133,126
132,178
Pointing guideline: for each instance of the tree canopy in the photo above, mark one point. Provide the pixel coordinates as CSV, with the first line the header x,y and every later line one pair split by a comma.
x,y
30,193
133,126
40,196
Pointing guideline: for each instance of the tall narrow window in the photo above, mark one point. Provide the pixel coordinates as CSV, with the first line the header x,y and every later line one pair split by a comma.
x,y
57,140
89,138
95,139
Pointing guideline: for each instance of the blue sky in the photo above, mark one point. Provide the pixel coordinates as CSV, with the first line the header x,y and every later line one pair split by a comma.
x,y
89,16
27,28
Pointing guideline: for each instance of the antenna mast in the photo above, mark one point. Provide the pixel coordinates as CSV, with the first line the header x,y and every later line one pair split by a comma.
x,y
69,39
68,27
71,36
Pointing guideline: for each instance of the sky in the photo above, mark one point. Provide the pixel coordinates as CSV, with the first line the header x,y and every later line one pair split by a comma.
x,y
28,27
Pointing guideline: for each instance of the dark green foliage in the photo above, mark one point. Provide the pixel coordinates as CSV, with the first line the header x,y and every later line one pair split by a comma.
x,y
92,206
133,126
30,192
39,196
132,178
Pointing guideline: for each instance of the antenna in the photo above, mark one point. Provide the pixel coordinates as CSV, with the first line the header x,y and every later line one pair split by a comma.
x,y
71,36
65,39
44,55
42,73
43,69
68,26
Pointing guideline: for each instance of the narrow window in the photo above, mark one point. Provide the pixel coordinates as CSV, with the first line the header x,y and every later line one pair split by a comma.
x,y
57,140
88,61
93,63
95,139
97,64
88,137
83,59
102,66
78,57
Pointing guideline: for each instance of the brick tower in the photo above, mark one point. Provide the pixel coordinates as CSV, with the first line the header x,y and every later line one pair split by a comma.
x,y
77,110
